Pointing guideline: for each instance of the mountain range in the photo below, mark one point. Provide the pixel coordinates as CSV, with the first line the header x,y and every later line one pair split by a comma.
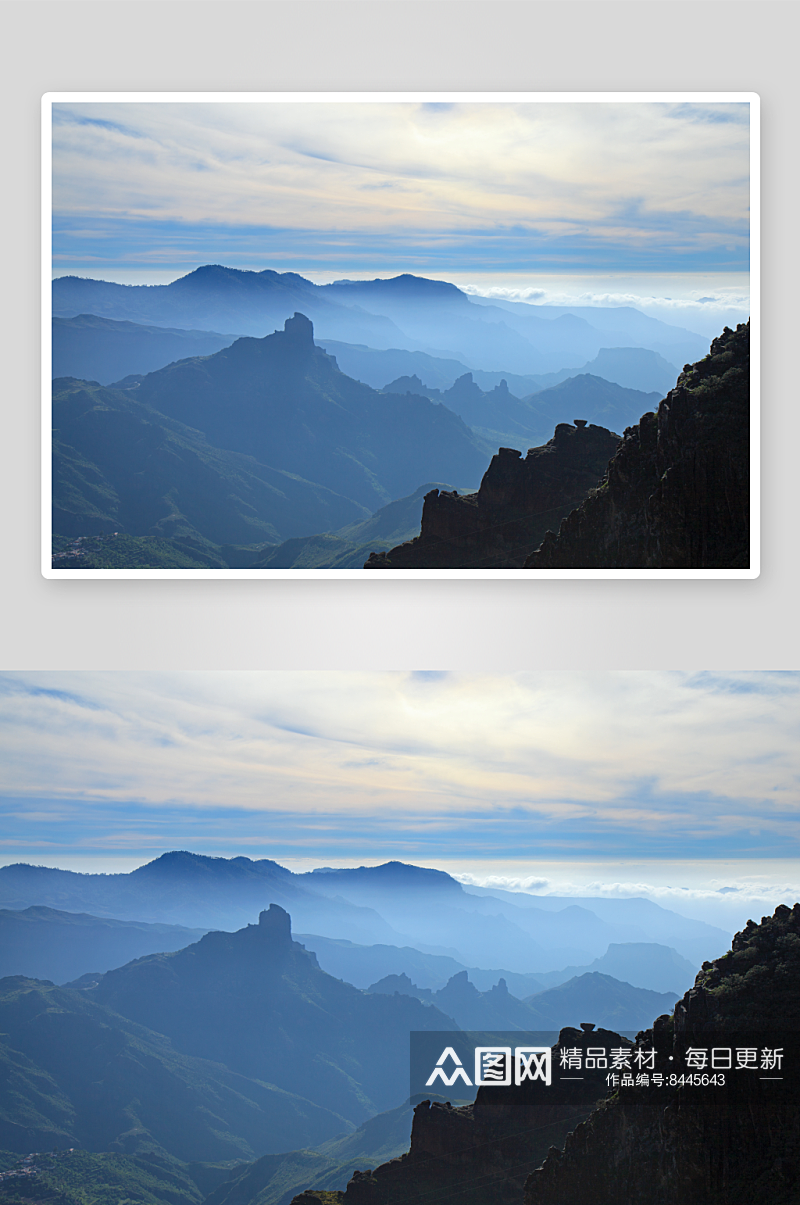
x,y
642,369
260,442
501,417
606,1000
185,1064
729,1141
650,965
179,446
394,905
404,312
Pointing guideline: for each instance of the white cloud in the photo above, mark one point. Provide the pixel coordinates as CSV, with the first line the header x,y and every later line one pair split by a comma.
x,y
703,309
561,168
749,892
654,752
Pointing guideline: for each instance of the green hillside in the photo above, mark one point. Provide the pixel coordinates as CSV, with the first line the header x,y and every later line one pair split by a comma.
x,y
349,547
257,1002
77,1177
74,1073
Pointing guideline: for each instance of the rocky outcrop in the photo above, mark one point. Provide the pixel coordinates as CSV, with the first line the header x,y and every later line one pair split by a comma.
x,y
257,1002
479,1154
518,501
496,1009
676,494
737,1144
264,441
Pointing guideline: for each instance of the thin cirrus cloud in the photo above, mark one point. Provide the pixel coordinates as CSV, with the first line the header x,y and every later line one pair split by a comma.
x,y
567,764
347,182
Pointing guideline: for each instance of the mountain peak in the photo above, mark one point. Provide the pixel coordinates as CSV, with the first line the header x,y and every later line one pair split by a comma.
x,y
276,921
300,331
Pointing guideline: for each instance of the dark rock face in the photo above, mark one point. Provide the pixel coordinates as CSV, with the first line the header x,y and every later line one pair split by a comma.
x,y
676,494
732,1145
518,501
478,1154
737,1144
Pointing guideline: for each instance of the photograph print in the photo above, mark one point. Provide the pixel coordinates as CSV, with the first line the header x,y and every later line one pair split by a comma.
x,y
235,906
414,335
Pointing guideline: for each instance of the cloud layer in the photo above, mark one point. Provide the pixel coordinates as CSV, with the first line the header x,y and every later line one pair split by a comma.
x,y
523,765
502,184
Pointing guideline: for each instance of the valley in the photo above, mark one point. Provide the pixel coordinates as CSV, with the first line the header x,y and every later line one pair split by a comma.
x,y
309,439
248,1063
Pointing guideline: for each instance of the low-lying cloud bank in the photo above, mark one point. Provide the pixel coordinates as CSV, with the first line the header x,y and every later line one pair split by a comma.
x,y
725,902
701,310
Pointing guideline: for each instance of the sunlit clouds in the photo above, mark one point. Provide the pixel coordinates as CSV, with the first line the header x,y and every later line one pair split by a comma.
x,y
663,183
479,766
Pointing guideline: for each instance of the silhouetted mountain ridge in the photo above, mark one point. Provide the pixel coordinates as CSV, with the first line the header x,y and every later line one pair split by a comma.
x,y
731,1143
518,501
264,440
515,931
257,1002
405,312
677,493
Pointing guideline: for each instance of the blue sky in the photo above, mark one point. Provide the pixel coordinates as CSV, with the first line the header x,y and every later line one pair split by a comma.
x,y
381,188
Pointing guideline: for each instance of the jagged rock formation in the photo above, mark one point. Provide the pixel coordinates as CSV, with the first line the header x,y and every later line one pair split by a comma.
x,y
612,1003
263,441
469,1008
732,1145
478,1154
257,1002
497,410
676,495
518,501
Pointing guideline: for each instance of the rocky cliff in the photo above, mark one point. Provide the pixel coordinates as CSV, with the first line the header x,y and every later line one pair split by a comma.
x,y
518,501
676,494
477,1154
737,1144
731,1143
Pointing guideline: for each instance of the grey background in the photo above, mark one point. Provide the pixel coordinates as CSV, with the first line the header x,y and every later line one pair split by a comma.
x,y
390,45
